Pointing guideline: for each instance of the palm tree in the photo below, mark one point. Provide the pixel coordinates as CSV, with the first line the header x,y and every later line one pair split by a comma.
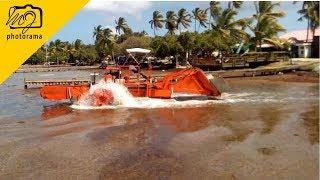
x,y
109,41
127,31
235,4
57,44
104,41
77,44
195,13
99,43
226,25
97,32
214,10
68,50
73,49
200,16
266,27
121,25
310,12
157,21
56,47
184,19
171,22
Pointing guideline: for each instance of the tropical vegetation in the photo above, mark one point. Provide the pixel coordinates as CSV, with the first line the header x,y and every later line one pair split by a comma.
x,y
265,25
310,12
157,21
216,29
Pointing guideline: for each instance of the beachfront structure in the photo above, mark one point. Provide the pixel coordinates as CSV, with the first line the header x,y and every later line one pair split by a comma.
x,y
302,46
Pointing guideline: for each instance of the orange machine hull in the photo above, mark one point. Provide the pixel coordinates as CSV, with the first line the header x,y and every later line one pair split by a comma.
x,y
188,81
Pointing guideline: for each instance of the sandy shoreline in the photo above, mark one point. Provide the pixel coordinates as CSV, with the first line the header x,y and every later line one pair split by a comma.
x,y
298,76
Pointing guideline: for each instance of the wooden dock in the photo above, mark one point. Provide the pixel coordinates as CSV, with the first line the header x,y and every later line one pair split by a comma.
x,y
39,83
265,71
27,69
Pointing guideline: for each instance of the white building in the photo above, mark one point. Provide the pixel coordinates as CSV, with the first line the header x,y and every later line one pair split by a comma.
x,y
303,47
304,50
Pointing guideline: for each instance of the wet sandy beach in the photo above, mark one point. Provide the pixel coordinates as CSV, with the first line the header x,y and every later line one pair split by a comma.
x,y
264,128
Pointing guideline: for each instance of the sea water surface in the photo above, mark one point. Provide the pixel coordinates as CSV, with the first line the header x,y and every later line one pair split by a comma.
x,y
259,129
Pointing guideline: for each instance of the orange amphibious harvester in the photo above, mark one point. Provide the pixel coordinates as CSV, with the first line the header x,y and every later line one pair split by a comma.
x,y
191,82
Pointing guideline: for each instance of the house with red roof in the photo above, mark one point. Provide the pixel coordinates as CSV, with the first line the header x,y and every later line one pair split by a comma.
x,y
304,44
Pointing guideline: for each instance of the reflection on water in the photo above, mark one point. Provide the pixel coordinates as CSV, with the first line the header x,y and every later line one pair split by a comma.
x,y
53,111
270,117
261,129
184,119
311,122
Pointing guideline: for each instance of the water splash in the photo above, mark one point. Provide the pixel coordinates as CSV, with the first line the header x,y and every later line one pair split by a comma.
x,y
120,93
123,99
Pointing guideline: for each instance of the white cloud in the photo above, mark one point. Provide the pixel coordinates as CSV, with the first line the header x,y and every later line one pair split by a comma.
x,y
117,7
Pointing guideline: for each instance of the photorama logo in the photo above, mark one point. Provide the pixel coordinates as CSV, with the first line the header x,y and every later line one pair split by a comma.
x,y
24,18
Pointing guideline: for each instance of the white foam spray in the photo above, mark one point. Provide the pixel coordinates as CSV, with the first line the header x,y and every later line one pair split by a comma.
x,y
122,96
123,99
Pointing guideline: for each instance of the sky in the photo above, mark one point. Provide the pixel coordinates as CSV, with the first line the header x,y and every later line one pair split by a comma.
x,y
139,13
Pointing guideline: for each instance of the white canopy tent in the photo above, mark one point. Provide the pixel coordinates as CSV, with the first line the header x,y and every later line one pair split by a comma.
x,y
138,50
134,51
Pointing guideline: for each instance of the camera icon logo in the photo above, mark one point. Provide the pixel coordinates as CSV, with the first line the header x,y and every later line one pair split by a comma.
x,y
24,17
